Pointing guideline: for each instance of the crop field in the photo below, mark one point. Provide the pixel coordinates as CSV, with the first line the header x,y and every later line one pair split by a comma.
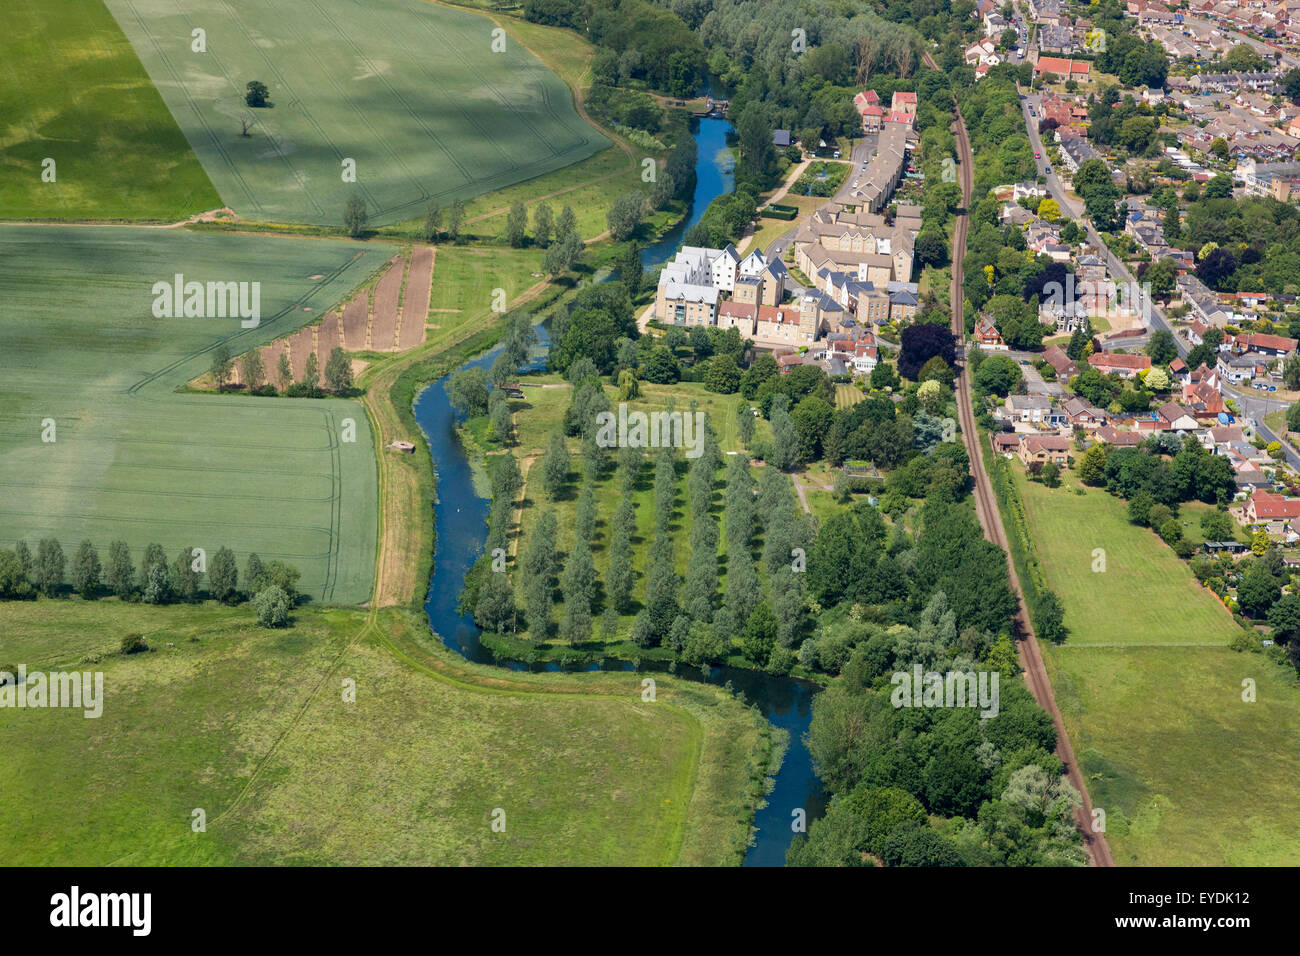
x,y
64,69
413,93
1187,772
132,458
248,726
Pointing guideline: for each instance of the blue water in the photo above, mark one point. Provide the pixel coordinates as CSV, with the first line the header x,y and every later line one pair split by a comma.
x,y
713,175
461,521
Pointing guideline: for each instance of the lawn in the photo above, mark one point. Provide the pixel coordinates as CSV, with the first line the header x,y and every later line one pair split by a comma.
x,y
769,230
251,727
412,92
73,90
465,284
1145,595
1187,772
134,459
846,396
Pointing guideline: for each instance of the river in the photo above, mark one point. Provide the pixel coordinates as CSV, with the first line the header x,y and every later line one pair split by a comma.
x,y
461,523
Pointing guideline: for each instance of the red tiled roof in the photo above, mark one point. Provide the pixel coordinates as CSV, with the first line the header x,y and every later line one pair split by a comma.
x,y
1119,360
1061,66
1268,505
1265,341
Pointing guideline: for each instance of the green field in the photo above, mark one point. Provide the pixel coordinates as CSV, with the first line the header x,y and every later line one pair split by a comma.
x,y
250,726
65,70
1187,773
134,459
411,91
1145,595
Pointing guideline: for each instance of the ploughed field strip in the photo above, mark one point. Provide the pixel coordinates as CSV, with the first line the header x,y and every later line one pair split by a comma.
x,y
133,458
412,92
383,328
415,304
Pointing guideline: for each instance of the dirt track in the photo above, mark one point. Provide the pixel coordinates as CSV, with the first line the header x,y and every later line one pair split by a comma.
x,y
1031,658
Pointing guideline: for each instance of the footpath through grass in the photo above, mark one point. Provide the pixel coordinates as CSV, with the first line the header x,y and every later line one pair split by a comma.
x,y
72,90
251,727
1187,772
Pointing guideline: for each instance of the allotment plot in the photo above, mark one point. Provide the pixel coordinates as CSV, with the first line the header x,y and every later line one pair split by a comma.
x,y
424,102
85,361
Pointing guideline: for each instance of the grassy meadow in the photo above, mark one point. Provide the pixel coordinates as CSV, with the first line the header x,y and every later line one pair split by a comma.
x,y
66,69
1187,772
134,459
414,93
251,727
1145,595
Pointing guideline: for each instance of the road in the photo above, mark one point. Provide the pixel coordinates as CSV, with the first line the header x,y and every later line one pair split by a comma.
x,y
986,507
1287,59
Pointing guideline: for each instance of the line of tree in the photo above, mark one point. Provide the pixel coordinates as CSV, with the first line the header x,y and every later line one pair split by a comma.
x,y
271,586
256,380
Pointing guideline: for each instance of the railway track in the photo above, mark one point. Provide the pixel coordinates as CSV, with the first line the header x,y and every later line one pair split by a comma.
x,y
986,508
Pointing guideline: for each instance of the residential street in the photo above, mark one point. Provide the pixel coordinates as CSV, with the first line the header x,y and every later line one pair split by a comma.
x,y
1252,404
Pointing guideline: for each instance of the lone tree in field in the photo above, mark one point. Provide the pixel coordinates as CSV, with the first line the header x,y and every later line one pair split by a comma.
x,y
256,94
354,216
338,372
221,365
517,225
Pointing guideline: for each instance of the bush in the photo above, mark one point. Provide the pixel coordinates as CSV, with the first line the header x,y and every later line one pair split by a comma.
x,y
1243,641
272,606
134,644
